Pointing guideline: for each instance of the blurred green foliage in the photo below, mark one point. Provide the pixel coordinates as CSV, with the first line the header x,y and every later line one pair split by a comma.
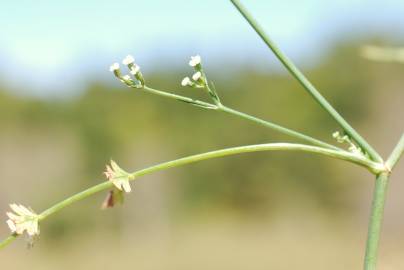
x,y
117,122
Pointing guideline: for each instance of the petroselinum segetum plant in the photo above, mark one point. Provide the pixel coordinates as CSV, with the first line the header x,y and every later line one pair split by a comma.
x,y
352,146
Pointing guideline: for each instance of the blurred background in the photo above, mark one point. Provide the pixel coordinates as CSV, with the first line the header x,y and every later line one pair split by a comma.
x,y
63,116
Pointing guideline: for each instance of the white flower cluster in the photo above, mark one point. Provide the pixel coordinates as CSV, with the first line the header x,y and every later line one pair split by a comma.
x,y
118,177
197,80
23,219
353,148
134,70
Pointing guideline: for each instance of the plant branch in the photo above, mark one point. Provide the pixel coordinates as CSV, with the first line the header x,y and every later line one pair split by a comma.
x,y
180,98
396,154
228,110
279,128
298,75
343,155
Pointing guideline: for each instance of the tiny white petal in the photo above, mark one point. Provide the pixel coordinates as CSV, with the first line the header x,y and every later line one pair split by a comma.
x,y
12,216
134,70
11,225
126,186
117,184
195,60
128,60
32,228
335,134
25,210
113,67
186,81
16,209
197,76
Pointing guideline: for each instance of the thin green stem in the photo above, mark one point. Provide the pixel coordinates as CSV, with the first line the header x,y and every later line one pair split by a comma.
x,y
180,98
376,220
76,197
298,75
343,155
279,128
262,122
379,198
396,154
8,240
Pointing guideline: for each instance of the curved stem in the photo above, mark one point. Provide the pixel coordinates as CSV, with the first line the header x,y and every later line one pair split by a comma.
x,y
343,155
298,75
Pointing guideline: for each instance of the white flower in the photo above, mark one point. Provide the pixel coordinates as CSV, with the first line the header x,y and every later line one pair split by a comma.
x,y
114,67
23,220
134,70
118,177
195,60
128,60
186,81
197,76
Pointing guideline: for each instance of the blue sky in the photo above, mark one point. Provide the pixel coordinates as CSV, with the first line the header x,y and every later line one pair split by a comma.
x,y
55,45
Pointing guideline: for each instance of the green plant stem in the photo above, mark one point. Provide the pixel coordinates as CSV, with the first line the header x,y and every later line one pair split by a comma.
x,y
376,220
228,110
8,240
343,155
76,197
376,216
278,128
180,98
297,74
396,154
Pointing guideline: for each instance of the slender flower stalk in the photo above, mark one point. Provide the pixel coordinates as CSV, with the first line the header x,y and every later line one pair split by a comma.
x,y
222,108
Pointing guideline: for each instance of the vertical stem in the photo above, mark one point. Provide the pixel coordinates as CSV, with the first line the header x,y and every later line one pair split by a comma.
x,y
379,199
376,220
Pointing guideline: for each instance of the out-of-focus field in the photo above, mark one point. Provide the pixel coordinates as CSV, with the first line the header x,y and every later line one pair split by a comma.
x,y
295,240
253,211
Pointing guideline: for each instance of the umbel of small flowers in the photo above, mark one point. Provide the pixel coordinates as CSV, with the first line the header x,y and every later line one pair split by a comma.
x,y
136,80
23,220
198,79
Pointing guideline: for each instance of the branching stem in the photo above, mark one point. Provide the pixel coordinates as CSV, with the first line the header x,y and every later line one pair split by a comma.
x,y
307,85
220,107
